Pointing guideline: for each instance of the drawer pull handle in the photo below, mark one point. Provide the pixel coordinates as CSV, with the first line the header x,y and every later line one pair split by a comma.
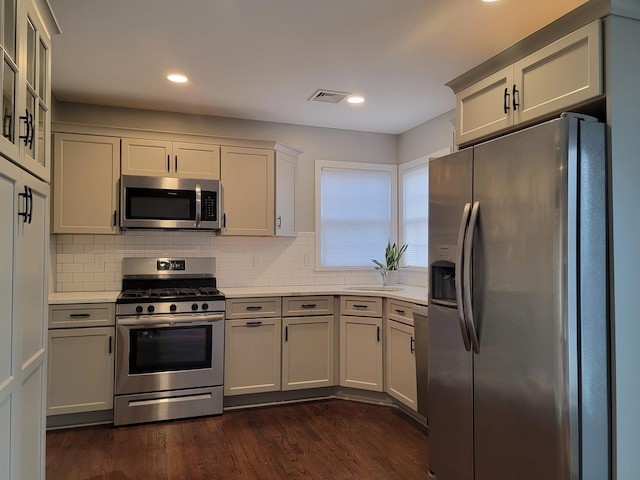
x,y
309,305
412,346
360,306
401,312
79,315
286,333
378,334
253,308
253,324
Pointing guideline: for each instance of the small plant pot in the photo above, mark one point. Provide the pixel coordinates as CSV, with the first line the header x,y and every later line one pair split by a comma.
x,y
392,277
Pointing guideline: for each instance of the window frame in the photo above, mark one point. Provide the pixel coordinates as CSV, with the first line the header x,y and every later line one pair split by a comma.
x,y
402,169
351,166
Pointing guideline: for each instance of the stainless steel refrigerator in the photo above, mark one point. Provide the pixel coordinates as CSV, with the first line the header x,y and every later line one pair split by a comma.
x,y
518,314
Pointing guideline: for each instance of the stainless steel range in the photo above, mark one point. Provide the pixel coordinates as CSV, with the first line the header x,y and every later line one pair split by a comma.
x,y
169,340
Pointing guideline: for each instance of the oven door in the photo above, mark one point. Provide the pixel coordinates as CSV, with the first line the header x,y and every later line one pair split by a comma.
x,y
169,352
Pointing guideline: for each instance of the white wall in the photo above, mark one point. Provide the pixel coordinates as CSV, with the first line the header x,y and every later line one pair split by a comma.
x,y
314,142
429,137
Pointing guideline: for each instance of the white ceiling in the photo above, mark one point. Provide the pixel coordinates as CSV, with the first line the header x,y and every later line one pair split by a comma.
x,y
262,59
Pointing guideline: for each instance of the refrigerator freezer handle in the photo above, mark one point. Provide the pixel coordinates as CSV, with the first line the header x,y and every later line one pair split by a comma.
x,y
464,220
466,276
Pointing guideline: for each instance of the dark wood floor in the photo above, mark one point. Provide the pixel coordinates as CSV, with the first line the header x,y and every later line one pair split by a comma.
x,y
333,440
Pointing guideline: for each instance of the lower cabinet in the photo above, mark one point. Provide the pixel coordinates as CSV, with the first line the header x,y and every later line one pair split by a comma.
x,y
252,339
81,358
252,355
401,363
361,343
307,343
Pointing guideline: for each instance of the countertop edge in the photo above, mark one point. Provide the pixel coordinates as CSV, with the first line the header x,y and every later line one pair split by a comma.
x,y
408,293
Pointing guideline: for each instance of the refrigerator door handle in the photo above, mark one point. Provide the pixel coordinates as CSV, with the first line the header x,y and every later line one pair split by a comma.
x,y
466,279
464,221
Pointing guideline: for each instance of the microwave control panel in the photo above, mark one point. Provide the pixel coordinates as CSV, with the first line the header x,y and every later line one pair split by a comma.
x,y
209,207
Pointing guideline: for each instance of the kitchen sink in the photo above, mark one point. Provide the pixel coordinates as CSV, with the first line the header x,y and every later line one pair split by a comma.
x,y
375,289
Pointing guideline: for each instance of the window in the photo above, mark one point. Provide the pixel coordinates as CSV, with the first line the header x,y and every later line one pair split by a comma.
x,y
414,209
355,205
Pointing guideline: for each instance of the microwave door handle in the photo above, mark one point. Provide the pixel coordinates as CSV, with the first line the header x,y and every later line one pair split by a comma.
x,y
198,205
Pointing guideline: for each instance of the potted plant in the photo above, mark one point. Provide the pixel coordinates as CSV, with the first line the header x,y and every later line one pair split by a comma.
x,y
392,254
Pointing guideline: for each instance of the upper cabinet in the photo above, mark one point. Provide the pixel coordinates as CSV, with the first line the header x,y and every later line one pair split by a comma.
x,y
25,80
557,77
286,180
86,170
259,190
170,159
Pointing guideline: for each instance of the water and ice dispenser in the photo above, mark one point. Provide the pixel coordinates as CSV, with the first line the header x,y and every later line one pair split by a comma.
x,y
442,272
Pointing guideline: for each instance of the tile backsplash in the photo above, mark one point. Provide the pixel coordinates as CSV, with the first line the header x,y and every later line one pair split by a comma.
x,y
94,262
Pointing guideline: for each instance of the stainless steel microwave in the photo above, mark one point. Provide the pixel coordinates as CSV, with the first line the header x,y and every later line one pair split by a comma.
x,y
170,203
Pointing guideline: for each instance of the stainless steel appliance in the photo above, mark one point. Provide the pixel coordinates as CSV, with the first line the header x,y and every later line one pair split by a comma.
x,y
169,340
518,316
421,329
170,203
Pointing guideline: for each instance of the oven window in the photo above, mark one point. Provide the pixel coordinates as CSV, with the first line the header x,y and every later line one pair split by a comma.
x,y
169,349
158,204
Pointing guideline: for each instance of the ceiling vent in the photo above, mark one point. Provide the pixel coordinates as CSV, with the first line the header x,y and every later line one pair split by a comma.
x,y
328,96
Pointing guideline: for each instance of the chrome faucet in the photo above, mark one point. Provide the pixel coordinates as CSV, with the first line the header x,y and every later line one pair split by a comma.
x,y
384,272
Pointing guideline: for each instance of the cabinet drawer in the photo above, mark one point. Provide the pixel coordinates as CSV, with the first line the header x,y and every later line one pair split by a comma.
x,y
361,306
254,307
82,315
400,311
300,306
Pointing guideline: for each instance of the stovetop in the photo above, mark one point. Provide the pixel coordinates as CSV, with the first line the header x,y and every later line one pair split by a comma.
x,y
169,293
152,286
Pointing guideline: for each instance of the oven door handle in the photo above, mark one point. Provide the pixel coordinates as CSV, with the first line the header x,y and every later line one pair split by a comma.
x,y
170,320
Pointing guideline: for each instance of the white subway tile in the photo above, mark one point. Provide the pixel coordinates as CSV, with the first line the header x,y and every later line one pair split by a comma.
x,y
83,239
72,248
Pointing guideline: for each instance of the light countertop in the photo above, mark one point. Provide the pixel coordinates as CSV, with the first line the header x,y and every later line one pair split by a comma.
x,y
61,298
407,293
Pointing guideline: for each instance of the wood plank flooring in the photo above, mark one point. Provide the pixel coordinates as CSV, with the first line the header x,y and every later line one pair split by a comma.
x,y
332,440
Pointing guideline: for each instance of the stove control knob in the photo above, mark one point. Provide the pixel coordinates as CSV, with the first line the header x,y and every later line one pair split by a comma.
x,y
173,307
194,307
139,309
205,306
150,308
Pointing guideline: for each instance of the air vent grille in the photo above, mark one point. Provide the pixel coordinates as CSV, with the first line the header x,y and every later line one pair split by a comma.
x,y
327,96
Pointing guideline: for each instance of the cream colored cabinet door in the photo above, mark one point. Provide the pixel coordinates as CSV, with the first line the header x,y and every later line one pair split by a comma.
x,y
194,160
81,365
307,352
36,149
286,174
565,73
485,107
32,295
252,355
401,363
146,157
10,386
86,171
248,182
163,158
361,352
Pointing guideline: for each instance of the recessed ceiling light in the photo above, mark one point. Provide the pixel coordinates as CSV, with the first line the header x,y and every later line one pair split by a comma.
x,y
489,1
355,99
177,78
